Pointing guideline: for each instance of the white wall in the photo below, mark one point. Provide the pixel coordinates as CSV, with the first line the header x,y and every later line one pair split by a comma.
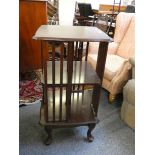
x,y
66,12
95,3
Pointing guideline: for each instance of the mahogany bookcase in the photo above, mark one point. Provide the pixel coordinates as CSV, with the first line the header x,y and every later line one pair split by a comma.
x,y
67,101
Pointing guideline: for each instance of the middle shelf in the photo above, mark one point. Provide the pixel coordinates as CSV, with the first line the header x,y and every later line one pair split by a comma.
x,y
83,73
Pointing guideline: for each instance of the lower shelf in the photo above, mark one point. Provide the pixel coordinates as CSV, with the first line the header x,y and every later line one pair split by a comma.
x,y
81,109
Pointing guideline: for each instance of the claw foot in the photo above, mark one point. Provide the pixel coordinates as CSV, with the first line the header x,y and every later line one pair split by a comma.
x,y
90,138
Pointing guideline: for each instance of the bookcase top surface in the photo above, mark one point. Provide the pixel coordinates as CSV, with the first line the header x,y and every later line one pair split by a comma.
x,y
71,33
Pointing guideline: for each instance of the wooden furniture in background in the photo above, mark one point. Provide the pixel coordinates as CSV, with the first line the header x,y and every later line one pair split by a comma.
x,y
66,101
112,11
104,7
32,14
51,10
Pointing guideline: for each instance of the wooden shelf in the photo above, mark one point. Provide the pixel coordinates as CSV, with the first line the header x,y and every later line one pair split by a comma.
x,y
81,109
71,33
83,73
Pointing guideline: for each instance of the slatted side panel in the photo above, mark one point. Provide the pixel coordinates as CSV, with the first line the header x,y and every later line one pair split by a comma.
x,y
58,97
57,94
79,50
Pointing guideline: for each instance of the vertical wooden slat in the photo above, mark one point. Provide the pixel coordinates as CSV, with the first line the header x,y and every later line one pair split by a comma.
x,y
53,78
44,70
61,79
80,51
80,68
83,93
79,86
69,77
75,72
78,89
82,88
45,90
87,51
61,62
95,98
101,59
76,51
42,65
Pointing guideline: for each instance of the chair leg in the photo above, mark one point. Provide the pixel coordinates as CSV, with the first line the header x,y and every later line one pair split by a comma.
x,y
90,138
48,130
111,98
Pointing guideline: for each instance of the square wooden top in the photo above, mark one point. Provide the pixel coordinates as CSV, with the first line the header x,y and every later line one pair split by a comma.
x,y
71,33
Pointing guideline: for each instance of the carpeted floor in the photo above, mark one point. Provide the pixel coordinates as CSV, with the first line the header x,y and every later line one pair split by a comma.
x,y
112,136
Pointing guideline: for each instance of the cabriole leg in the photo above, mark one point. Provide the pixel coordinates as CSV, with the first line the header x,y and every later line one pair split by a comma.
x,y
48,130
112,98
90,138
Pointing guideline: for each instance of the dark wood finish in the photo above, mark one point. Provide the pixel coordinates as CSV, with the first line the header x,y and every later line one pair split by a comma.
x,y
81,110
90,137
95,98
69,77
71,33
87,48
76,51
105,7
53,80
87,74
48,130
32,14
45,90
66,97
61,79
101,59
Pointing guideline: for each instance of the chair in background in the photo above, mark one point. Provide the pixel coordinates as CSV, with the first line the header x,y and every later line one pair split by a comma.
x,y
130,9
85,9
117,68
86,14
102,23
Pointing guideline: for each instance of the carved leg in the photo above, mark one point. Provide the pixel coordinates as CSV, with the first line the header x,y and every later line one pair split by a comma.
x,y
48,130
89,135
111,98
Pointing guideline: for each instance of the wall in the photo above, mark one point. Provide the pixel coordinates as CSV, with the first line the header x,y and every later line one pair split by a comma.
x,y
66,12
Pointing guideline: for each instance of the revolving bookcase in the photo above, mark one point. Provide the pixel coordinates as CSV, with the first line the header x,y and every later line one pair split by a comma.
x,y
67,101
